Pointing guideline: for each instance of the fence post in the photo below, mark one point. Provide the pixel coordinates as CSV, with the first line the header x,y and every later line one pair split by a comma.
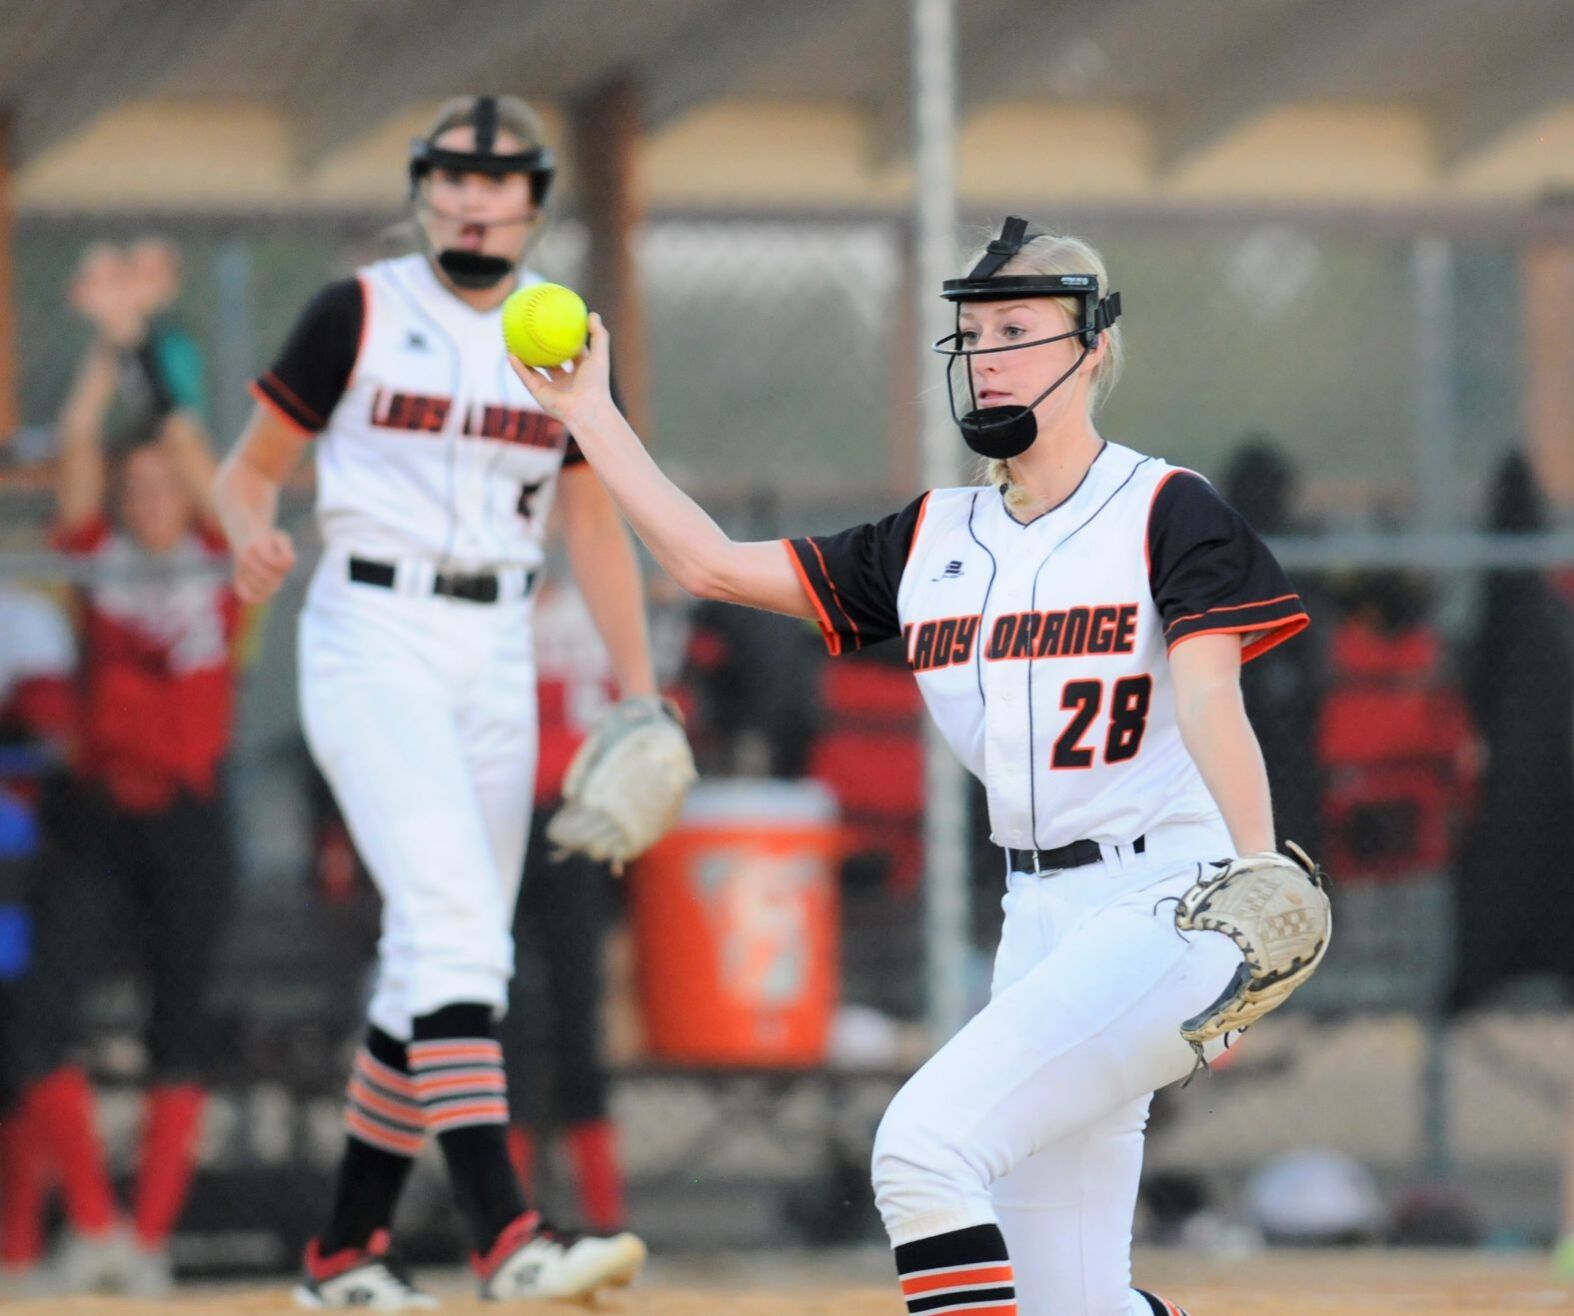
x,y
10,375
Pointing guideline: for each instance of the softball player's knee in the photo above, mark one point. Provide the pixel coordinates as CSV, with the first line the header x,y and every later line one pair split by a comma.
x,y
471,964
925,1182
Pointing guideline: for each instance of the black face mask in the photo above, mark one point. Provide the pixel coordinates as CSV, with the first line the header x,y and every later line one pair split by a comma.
x,y
474,269
1001,433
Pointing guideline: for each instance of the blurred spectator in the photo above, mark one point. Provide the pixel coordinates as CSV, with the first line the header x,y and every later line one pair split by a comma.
x,y
1284,692
756,681
552,1035
37,657
1515,899
140,824
871,755
1395,737
126,295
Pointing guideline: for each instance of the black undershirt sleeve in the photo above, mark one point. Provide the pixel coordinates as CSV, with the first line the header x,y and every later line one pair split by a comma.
x,y
852,577
1211,574
311,373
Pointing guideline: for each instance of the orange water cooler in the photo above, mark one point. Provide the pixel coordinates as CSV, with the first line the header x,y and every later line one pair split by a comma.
x,y
735,927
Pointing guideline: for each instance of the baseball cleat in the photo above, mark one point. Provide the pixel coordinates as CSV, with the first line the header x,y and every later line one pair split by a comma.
x,y
91,1263
358,1277
533,1260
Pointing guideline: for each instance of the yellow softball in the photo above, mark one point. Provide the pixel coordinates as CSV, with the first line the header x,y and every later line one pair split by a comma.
x,y
545,324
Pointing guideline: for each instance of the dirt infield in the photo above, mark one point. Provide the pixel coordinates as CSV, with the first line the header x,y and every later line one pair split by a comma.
x,y
1298,1284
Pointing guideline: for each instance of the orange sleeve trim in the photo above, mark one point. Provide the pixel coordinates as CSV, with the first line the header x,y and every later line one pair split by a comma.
x,y
923,510
288,394
833,641
1233,607
1273,634
835,597
1147,533
277,408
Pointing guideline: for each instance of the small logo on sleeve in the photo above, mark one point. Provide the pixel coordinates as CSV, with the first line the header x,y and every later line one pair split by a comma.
x,y
953,570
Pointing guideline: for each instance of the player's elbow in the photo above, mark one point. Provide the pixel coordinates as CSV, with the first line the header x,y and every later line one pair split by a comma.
x,y
709,567
704,580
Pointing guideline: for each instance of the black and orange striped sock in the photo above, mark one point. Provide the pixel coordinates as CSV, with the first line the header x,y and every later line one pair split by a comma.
x,y
457,1065
1159,1305
386,1132
958,1273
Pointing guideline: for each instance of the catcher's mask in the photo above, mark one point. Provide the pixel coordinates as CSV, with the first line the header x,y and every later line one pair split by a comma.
x,y
1004,432
476,269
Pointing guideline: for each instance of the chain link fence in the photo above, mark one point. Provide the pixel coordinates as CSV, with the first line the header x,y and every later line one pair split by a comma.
x,y
1422,731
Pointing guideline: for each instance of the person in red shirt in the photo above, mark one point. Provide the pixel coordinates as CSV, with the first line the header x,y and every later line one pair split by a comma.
x,y
37,660
136,835
552,1033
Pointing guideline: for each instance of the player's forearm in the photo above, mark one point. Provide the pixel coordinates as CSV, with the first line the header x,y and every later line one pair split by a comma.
x,y
184,438
680,534
79,475
1219,737
245,500
602,556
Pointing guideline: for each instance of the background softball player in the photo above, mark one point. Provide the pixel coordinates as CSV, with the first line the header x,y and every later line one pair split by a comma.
x,y
436,472
1077,626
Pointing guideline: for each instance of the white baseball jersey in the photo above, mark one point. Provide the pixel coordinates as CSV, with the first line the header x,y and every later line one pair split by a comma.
x,y
429,445
35,640
1041,648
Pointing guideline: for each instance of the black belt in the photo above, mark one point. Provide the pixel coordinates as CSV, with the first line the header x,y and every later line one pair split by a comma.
x,y
1075,855
473,587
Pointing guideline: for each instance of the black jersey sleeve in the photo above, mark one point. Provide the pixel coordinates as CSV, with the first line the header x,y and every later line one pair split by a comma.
x,y
851,577
1210,574
311,373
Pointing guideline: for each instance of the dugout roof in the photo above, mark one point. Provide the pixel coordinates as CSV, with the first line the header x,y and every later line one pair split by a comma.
x,y
1469,80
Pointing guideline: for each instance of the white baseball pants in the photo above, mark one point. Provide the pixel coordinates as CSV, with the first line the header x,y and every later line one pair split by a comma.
x,y
421,712
1033,1115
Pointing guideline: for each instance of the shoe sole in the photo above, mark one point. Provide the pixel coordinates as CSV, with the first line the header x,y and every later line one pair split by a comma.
x,y
304,1297
618,1270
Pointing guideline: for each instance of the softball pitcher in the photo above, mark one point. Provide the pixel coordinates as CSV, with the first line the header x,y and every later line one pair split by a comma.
x,y
436,472
1077,626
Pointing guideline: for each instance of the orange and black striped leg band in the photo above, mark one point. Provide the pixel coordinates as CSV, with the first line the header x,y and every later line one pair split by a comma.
x,y
460,1082
959,1273
384,1108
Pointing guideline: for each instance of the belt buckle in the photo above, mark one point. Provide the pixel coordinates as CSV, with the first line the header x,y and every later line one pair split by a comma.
x,y
476,587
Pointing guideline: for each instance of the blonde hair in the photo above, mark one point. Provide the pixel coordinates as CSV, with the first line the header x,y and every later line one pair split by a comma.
x,y
1055,253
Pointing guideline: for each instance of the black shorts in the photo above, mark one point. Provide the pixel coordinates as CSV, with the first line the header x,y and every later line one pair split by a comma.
x,y
115,888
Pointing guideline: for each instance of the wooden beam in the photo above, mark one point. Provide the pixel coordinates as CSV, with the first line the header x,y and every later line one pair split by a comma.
x,y
10,375
996,62
433,51
1547,296
1249,79
604,128
138,47
1532,82
715,52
